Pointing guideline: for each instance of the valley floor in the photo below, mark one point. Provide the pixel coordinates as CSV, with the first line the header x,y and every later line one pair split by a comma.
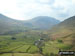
x,y
23,46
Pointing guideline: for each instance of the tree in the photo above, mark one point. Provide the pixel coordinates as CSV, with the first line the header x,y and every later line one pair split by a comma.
x,y
13,38
60,41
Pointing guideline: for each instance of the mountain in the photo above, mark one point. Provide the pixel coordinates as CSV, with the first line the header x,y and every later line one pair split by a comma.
x,y
65,31
8,25
42,22
65,27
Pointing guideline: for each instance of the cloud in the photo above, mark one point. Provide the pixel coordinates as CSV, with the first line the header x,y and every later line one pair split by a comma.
x,y
73,1
46,1
63,9
28,9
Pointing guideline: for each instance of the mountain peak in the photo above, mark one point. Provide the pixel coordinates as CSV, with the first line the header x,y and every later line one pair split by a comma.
x,y
43,22
45,18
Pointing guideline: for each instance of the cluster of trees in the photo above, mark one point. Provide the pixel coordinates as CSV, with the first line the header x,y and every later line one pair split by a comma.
x,y
13,38
60,41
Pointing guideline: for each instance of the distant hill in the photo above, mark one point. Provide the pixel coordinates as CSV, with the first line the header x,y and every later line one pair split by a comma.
x,y
8,25
42,22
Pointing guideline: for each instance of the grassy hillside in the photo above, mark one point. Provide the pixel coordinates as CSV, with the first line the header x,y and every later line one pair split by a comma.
x,y
65,33
9,25
64,28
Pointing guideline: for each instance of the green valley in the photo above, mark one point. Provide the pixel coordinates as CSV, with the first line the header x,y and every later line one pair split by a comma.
x,y
26,38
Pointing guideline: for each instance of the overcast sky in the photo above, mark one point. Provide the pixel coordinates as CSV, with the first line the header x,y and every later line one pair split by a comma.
x,y
28,9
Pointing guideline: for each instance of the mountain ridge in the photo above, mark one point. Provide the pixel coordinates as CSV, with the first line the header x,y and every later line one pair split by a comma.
x,y
8,24
64,30
43,22
37,23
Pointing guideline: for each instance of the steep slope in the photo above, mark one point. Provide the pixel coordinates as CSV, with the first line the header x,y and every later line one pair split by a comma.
x,y
65,27
7,24
42,22
65,31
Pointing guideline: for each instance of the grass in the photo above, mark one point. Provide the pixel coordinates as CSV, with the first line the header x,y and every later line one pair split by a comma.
x,y
49,48
22,49
21,43
7,54
21,54
24,41
33,49
54,46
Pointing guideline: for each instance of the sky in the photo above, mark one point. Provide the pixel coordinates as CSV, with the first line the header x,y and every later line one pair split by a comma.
x,y
28,9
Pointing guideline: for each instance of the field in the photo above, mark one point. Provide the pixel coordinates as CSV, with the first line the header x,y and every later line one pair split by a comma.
x,y
20,54
64,43
22,44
